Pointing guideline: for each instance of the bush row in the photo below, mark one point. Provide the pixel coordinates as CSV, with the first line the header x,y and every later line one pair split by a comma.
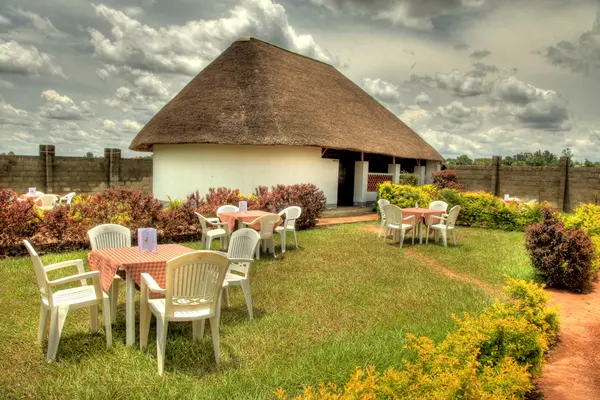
x,y
491,356
65,227
478,209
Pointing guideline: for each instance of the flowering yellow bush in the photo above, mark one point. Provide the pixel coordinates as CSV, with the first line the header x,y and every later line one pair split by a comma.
x,y
490,356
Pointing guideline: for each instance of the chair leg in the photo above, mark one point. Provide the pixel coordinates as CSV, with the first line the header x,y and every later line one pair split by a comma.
x,y
114,299
198,329
161,343
208,243
401,238
214,330
43,323
227,297
444,239
427,236
107,317
380,227
295,238
57,321
145,316
454,237
248,295
272,245
94,319
282,240
258,251
413,235
264,246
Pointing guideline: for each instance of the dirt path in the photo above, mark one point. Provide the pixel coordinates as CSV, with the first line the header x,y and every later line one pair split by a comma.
x,y
573,368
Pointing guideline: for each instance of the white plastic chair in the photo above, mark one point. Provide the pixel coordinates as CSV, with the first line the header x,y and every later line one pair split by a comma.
x,y
48,201
220,232
111,236
395,222
242,245
438,205
67,198
58,303
224,208
192,293
382,203
447,222
289,225
267,225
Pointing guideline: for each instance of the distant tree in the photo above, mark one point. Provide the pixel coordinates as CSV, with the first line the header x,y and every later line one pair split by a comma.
x,y
89,154
11,153
460,160
482,161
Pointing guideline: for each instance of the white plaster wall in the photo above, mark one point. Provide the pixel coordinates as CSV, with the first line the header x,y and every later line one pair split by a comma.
x,y
180,169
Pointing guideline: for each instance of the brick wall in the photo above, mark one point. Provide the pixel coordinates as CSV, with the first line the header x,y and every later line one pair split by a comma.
x,y
51,174
562,186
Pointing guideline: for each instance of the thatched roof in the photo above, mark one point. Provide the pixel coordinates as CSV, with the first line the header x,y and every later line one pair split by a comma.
x,y
259,94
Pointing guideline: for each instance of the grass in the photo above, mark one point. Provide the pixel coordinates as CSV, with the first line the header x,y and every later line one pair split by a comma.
x,y
343,299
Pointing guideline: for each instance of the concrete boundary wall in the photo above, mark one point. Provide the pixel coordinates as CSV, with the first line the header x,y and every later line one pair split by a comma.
x,y
49,173
562,186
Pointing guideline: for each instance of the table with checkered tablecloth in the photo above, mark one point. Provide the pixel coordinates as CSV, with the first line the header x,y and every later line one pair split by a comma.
x,y
235,218
130,263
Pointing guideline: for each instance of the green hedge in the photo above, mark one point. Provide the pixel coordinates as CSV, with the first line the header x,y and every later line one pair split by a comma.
x,y
478,209
491,356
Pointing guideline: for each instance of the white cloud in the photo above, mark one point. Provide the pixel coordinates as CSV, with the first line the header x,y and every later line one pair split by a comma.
x,y
461,85
423,98
384,91
26,60
42,24
56,106
4,20
459,118
6,84
186,49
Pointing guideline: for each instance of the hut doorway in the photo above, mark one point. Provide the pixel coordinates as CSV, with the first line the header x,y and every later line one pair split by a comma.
x,y
346,182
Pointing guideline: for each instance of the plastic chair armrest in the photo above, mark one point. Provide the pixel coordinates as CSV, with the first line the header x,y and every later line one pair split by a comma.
x,y
76,277
63,264
151,284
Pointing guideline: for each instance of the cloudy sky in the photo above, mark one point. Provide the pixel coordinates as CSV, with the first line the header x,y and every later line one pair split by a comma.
x,y
481,77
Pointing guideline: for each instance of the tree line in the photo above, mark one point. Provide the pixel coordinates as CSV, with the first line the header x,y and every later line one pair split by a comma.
x,y
536,159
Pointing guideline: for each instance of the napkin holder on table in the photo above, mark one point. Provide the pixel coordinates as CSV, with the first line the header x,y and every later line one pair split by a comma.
x,y
32,191
243,206
147,240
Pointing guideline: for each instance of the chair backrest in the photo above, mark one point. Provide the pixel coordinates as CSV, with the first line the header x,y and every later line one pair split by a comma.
x,y
393,214
291,213
227,208
267,224
203,221
67,198
40,272
47,200
382,203
194,282
438,205
452,216
109,236
242,246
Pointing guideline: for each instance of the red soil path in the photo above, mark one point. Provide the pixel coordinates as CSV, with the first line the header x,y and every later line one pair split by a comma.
x,y
572,370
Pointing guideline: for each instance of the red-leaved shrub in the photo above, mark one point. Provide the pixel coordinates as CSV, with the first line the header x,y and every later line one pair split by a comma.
x,y
562,257
18,219
305,195
446,180
58,225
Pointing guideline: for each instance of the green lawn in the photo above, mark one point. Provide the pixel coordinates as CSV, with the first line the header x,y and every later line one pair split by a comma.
x,y
344,299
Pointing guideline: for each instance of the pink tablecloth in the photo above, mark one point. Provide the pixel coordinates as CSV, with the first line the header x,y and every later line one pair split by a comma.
x,y
232,217
108,261
421,214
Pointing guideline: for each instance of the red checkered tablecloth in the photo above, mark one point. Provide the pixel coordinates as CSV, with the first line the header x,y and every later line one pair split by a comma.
x,y
108,261
232,217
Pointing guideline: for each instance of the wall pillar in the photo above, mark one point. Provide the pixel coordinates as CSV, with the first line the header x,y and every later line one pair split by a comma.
x,y
361,180
564,183
113,161
394,169
495,184
47,153
430,167
421,170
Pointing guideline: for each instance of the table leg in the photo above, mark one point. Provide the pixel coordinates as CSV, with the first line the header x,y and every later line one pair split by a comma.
x,y
420,232
130,311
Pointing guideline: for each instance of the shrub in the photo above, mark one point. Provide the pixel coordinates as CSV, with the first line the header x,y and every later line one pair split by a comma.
x,y
18,219
59,226
405,196
562,257
305,195
490,356
446,180
587,217
218,197
410,179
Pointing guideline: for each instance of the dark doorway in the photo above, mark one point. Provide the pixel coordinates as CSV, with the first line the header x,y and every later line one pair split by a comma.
x,y
346,182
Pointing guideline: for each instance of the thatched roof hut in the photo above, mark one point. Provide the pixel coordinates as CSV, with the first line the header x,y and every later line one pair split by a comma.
x,y
257,93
